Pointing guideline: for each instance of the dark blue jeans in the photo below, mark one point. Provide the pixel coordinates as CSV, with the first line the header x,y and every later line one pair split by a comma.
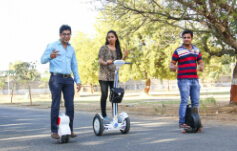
x,y
58,84
188,87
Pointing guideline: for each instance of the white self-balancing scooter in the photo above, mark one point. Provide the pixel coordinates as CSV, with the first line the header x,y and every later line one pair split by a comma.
x,y
120,122
64,130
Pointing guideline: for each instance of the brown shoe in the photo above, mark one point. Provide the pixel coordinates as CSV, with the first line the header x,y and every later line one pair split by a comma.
x,y
73,135
55,136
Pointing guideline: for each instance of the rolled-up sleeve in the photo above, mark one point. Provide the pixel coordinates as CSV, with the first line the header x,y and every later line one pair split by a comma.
x,y
74,67
199,56
45,58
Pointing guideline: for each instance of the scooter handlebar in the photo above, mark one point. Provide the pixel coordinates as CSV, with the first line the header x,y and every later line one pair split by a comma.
x,y
124,62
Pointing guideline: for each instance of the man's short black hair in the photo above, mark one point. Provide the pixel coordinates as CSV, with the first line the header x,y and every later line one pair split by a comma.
x,y
64,27
187,31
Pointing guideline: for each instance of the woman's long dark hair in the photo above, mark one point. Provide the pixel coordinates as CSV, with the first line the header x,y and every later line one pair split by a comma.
x,y
117,44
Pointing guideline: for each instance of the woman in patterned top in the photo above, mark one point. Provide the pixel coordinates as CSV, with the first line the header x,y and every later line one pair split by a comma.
x,y
108,53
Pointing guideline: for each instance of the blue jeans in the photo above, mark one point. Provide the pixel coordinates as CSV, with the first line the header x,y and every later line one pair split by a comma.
x,y
188,87
58,84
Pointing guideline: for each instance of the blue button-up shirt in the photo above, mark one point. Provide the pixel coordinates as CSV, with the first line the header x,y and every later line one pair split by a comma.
x,y
63,63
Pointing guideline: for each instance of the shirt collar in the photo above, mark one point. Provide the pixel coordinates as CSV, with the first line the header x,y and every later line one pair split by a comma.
x,y
59,42
193,46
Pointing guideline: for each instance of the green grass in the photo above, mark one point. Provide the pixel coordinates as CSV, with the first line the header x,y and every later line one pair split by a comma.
x,y
160,109
203,93
208,100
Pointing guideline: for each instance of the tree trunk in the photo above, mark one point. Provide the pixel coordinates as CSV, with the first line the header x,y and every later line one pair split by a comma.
x,y
233,90
12,91
168,87
12,95
148,84
29,93
92,88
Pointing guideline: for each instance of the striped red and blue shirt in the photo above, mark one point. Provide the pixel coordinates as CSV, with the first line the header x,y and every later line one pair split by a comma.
x,y
187,62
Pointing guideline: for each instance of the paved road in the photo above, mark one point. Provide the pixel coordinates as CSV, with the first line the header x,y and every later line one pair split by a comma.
x,y
29,129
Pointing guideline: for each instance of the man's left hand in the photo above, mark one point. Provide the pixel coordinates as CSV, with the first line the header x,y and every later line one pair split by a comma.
x,y
200,65
78,87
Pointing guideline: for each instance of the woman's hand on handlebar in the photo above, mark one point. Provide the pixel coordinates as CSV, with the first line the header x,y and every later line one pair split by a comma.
x,y
102,62
110,62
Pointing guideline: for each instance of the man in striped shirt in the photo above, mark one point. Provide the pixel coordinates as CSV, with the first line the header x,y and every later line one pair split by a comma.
x,y
187,56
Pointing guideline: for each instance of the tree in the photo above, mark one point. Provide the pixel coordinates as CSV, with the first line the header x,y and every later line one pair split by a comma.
x,y
218,66
27,72
14,78
212,19
87,50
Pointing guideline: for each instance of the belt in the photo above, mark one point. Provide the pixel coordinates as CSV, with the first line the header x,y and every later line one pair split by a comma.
x,y
62,75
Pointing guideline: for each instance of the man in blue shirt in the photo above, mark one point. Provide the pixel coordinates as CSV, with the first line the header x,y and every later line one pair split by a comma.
x,y
62,58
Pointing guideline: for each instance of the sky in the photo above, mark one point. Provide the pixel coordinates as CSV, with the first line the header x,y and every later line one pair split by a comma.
x,y
28,26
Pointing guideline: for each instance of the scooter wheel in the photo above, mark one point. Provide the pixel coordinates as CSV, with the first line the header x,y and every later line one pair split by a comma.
x,y
195,124
64,139
98,126
126,128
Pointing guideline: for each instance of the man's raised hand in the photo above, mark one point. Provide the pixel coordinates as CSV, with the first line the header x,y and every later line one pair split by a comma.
x,y
54,54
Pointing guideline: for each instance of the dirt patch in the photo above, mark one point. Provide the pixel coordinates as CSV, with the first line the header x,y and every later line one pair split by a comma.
x,y
210,111
221,113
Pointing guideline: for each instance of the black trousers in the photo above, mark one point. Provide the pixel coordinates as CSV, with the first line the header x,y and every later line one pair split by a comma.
x,y
104,85
58,84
